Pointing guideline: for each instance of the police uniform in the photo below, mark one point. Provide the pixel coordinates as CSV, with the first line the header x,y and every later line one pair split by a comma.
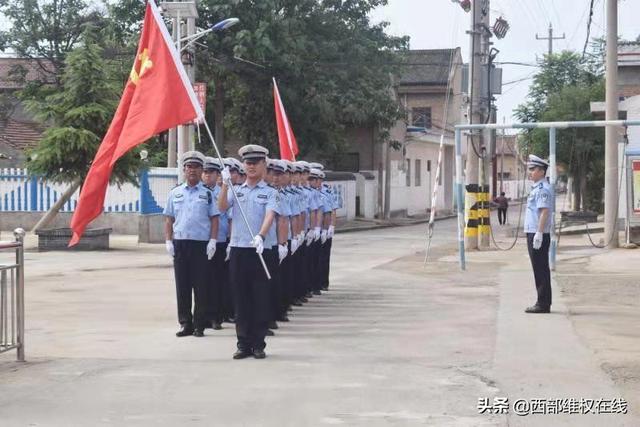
x,y
247,277
219,291
325,259
540,197
191,208
316,256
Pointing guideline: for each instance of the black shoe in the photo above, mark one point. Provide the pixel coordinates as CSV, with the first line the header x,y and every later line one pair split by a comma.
x,y
304,299
198,333
273,325
290,308
537,309
309,295
270,333
259,354
185,331
317,292
242,354
297,303
325,288
217,326
283,319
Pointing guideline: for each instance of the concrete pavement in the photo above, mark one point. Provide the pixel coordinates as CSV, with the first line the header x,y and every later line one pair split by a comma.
x,y
391,343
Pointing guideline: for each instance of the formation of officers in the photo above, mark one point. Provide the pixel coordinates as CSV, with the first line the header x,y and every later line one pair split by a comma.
x,y
232,223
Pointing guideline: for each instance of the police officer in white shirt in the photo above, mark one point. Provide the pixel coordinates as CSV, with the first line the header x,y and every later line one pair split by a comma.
x,y
537,227
191,230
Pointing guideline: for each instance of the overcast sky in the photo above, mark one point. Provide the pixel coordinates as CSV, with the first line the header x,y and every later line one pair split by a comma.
x,y
434,24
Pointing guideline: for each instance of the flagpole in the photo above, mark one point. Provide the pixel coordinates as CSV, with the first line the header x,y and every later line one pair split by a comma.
x,y
235,196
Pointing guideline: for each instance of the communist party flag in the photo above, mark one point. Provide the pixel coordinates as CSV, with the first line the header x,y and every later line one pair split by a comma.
x,y
288,144
158,96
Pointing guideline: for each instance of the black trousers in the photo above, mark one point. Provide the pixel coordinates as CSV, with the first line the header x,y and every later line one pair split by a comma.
x,y
540,263
216,278
271,258
286,281
303,270
298,273
251,298
190,268
326,263
502,215
314,265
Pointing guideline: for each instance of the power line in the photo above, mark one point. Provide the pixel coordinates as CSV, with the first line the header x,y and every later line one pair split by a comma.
x,y
586,42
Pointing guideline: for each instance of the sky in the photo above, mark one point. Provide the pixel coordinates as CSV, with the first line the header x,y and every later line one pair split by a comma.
x,y
436,24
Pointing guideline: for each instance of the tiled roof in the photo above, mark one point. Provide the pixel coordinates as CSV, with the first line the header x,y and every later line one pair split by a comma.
x,y
427,67
11,66
20,134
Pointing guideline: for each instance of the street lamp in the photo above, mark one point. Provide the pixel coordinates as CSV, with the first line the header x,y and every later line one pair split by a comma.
x,y
464,4
220,26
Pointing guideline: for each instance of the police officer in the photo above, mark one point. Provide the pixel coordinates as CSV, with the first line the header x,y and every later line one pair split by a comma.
x,y
191,230
247,277
217,271
537,226
324,208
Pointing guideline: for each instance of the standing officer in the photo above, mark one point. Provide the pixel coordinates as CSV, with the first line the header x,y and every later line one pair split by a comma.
x,y
247,277
217,274
537,226
191,229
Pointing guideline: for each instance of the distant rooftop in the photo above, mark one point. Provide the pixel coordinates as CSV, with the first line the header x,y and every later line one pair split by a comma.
x,y
428,67
12,69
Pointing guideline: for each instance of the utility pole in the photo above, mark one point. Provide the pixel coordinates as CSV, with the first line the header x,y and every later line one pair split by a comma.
x,y
550,38
474,138
611,132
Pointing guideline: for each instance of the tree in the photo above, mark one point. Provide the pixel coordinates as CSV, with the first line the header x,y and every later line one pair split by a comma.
x,y
333,69
45,30
79,115
562,91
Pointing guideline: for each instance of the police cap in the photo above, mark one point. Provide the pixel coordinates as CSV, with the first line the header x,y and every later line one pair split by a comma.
x,y
537,161
253,152
211,163
193,157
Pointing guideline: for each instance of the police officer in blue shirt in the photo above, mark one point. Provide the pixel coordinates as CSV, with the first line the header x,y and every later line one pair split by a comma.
x,y
537,226
247,277
191,230
217,271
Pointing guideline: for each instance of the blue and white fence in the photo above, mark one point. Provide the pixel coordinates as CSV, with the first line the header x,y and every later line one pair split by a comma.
x,y
21,193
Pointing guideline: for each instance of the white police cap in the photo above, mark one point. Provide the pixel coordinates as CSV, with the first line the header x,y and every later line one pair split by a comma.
x,y
536,161
316,165
253,152
315,173
192,157
279,165
306,167
211,163
288,164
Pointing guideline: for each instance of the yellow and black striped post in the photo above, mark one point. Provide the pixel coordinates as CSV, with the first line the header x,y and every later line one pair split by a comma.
x,y
484,228
471,215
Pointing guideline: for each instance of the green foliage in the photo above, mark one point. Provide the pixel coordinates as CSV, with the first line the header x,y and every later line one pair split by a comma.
x,y
332,66
45,30
562,91
79,115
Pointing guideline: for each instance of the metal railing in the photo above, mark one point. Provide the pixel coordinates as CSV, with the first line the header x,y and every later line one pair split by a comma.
x,y
12,297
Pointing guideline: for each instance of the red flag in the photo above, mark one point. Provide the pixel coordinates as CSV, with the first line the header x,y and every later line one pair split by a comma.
x,y
158,96
286,138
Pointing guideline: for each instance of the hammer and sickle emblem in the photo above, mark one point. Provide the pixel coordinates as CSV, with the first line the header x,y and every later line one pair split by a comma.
x,y
145,64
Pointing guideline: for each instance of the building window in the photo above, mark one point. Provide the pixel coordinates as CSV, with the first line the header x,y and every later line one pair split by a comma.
x,y
421,117
408,172
418,182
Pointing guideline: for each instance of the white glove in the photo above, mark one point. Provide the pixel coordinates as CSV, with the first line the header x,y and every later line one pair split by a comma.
x,y
309,237
226,175
331,232
323,236
211,248
294,245
258,243
283,251
537,240
169,245
228,252
317,231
